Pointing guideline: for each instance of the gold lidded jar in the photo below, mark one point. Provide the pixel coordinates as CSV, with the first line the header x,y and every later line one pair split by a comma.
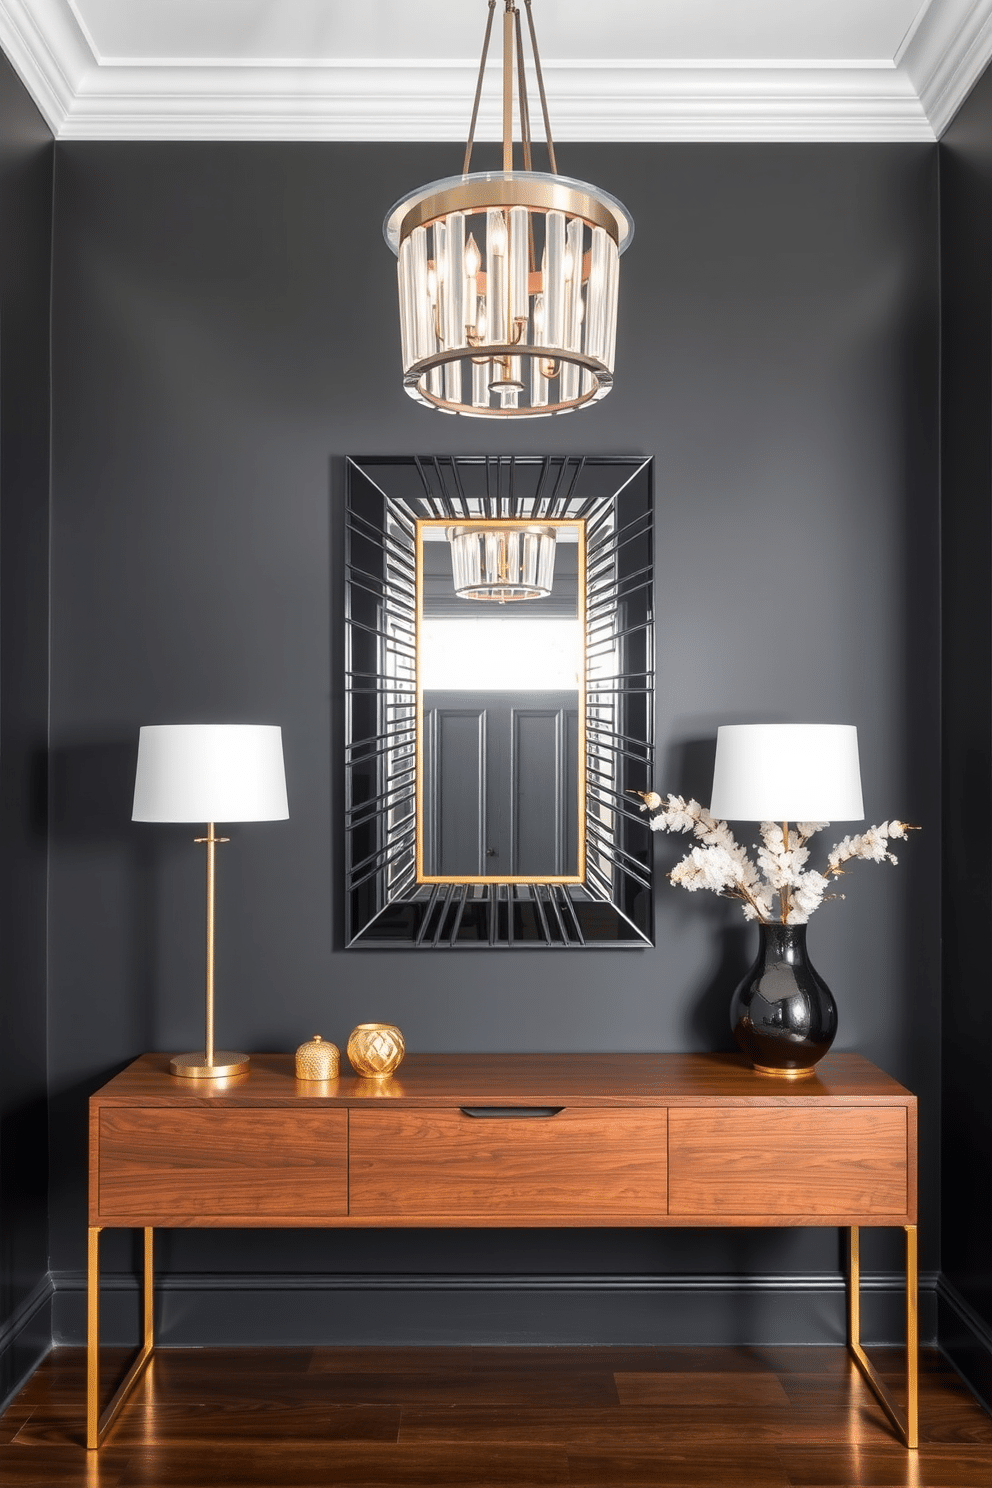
x,y
317,1060
375,1050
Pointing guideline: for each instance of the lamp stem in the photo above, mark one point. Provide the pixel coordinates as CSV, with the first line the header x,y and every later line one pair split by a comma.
x,y
208,1043
211,1064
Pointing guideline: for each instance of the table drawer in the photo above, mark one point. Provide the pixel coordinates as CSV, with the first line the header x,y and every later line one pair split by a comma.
x,y
578,1166
176,1167
797,1162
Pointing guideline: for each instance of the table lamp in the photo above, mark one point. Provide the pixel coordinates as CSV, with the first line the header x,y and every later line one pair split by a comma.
x,y
210,772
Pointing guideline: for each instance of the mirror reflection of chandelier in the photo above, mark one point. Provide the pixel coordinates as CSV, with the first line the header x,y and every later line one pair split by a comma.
x,y
508,279
502,563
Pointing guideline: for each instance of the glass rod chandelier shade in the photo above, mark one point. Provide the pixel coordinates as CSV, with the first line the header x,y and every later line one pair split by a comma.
x,y
508,279
502,562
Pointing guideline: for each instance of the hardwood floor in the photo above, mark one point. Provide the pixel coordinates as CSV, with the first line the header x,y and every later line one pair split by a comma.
x,y
468,1417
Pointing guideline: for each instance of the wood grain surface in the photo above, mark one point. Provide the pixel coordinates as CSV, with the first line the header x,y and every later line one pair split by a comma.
x,y
578,1162
170,1167
476,1417
521,1079
817,1161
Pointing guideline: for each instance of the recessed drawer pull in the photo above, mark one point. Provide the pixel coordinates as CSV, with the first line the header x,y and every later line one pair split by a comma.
x,y
507,1113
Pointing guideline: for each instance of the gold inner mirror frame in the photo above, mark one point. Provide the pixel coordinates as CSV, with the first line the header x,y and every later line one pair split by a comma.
x,y
426,528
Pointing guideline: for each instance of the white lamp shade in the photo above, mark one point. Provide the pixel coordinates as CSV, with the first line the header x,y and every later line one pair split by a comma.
x,y
210,772
787,772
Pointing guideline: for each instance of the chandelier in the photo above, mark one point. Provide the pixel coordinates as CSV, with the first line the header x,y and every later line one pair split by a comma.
x,y
500,561
508,279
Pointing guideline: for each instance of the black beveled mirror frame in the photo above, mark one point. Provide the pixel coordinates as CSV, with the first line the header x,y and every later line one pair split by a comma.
x,y
386,905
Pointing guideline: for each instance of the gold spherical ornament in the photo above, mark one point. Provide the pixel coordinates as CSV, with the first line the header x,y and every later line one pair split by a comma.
x,y
317,1060
375,1050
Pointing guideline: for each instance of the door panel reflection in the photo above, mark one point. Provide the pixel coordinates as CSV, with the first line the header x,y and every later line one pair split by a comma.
x,y
501,784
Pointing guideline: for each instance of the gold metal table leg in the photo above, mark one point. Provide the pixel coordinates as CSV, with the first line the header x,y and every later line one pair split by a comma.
x,y
908,1427
97,1424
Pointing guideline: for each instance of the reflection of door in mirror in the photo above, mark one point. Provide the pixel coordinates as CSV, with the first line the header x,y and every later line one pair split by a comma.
x,y
501,707
500,784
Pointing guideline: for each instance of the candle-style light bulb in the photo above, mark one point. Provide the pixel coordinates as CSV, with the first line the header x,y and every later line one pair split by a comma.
x,y
498,238
472,260
432,284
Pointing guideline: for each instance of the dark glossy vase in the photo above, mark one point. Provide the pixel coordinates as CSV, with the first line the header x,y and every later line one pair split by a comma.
x,y
783,1014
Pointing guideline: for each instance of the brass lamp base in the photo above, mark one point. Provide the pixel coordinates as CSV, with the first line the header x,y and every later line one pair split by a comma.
x,y
194,1066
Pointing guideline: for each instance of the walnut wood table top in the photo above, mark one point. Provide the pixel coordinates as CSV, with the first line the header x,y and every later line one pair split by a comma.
x,y
597,1080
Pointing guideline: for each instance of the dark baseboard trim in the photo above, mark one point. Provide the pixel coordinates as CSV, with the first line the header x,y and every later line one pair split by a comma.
x,y
25,1339
966,1339
240,1308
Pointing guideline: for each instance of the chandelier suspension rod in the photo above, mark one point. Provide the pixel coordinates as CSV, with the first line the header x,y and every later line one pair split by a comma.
x,y
508,86
525,135
524,105
512,41
478,90
540,87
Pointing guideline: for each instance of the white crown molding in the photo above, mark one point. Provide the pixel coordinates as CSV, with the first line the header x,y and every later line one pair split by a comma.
x,y
946,54
615,102
48,52
910,99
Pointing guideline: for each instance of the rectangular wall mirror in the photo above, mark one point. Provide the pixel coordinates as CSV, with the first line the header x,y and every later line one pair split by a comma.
x,y
499,701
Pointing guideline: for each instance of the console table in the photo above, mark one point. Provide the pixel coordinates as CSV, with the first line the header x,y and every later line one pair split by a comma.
x,y
505,1139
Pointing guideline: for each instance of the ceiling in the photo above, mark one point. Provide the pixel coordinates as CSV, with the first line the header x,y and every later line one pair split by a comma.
x,y
405,69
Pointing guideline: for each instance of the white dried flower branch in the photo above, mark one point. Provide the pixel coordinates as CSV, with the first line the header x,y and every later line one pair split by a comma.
x,y
872,845
720,864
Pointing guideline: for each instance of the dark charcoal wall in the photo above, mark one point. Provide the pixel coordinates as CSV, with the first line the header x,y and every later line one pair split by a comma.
x,y
225,332
26,158
966,227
